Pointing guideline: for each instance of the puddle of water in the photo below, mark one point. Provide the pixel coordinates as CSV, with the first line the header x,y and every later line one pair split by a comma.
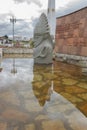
x,y
41,97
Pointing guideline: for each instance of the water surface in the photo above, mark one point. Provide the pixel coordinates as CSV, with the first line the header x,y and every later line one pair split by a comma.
x,y
42,97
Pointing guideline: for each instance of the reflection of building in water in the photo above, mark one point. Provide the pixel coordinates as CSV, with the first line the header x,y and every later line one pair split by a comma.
x,y
14,70
42,83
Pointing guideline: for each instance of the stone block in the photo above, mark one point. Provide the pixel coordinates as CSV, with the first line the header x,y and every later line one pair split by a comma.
x,y
3,126
64,49
76,33
30,127
84,51
53,125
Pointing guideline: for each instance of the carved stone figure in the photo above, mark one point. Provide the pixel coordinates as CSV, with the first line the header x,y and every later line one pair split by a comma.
x,y
43,44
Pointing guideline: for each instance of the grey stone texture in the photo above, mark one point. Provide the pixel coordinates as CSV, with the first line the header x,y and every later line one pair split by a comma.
x,y
43,44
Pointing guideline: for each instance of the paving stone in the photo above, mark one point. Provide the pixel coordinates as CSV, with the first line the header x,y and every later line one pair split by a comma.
x,y
49,76
10,97
53,125
30,127
32,106
27,94
84,108
74,89
37,77
69,81
71,97
83,96
83,85
78,121
39,84
42,117
3,126
16,128
13,114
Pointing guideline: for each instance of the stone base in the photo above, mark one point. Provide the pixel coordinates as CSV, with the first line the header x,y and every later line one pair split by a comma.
x,y
72,59
43,61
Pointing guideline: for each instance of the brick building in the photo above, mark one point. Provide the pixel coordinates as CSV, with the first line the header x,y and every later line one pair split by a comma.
x,y
71,36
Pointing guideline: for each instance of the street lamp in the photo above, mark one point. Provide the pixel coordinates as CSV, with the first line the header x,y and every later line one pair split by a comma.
x,y
13,21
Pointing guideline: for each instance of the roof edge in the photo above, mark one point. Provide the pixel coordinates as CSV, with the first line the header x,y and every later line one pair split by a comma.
x,y
72,12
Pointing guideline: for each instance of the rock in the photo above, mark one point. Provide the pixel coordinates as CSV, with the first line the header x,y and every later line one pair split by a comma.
x,y
43,44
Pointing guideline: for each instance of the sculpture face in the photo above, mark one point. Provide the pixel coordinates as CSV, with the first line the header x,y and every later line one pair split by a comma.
x,y
43,46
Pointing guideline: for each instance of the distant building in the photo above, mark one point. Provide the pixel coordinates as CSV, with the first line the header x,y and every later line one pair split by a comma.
x,y
5,42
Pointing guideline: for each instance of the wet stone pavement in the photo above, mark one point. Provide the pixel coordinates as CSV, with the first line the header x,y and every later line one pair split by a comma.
x,y
42,97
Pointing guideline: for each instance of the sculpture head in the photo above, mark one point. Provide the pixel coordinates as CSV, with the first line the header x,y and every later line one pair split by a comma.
x,y
41,31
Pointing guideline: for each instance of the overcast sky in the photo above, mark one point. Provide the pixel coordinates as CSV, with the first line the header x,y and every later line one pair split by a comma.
x,y
27,13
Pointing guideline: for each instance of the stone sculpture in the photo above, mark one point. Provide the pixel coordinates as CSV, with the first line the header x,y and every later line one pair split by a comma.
x,y
43,44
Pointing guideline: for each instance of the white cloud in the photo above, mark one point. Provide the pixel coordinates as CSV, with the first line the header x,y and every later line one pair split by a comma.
x,y
71,6
37,2
28,11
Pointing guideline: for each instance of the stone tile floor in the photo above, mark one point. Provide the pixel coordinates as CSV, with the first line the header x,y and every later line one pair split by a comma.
x,y
42,97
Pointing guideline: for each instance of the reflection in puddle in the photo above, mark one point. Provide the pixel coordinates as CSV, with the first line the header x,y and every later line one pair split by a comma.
x,y
14,70
42,97
62,78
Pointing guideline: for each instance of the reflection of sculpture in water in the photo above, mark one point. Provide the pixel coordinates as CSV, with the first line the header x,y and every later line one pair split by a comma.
x,y
14,70
43,44
42,84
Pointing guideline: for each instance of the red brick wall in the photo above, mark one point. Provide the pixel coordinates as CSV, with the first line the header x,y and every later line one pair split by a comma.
x,y
71,33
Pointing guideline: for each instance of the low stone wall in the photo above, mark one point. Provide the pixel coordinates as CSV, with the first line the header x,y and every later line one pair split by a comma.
x,y
72,59
17,51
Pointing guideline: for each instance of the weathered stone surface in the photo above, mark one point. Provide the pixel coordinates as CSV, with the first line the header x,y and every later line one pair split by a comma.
x,y
17,51
83,108
12,114
71,98
77,121
74,89
27,94
43,44
30,127
32,106
69,81
3,126
10,98
83,85
72,30
53,125
83,96
16,128
42,117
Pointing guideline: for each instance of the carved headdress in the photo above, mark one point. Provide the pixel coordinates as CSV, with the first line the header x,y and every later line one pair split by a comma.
x,y
42,27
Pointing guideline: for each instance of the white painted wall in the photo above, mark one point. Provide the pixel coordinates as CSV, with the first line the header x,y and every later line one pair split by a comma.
x,y
51,17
